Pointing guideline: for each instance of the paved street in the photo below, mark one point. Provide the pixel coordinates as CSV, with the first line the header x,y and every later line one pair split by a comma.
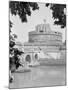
x,y
40,76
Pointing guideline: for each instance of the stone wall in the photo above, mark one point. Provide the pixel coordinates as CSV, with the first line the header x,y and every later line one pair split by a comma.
x,y
51,61
46,38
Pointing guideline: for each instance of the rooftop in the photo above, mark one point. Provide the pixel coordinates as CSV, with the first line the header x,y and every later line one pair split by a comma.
x,y
44,29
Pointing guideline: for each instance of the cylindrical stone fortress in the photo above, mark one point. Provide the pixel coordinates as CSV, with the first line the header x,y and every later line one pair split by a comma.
x,y
43,34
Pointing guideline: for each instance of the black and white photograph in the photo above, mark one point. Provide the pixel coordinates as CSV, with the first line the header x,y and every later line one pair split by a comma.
x,y
37,44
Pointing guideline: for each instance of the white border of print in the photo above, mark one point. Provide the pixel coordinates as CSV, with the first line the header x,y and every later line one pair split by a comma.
x,y
4,46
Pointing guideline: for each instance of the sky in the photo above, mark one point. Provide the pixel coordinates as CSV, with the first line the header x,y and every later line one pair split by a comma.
x,y
37,17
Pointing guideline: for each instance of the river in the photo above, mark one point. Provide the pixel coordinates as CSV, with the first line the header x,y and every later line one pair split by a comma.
x,y
40,76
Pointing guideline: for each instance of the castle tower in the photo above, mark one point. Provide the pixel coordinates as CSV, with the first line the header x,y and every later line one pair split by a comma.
x,y
43,27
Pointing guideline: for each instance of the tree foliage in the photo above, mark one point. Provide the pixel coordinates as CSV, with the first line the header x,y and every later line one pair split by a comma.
x,y
14,52
22,9
58,14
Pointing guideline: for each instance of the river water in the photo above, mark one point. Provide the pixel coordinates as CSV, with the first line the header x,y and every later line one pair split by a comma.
x,y
40,76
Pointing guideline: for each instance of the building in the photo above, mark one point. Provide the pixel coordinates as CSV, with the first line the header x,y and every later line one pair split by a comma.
x,y
42,39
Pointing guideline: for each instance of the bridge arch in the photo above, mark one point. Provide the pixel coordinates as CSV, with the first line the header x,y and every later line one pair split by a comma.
x,y
28,58
36,56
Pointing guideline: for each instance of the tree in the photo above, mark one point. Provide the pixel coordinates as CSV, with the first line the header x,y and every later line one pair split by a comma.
x,y
14,52
58,13
22,9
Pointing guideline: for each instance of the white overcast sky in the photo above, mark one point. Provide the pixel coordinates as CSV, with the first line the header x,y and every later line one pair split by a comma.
x,y
37,17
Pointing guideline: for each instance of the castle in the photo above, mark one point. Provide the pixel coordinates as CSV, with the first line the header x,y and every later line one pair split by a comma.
x,y
43,39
